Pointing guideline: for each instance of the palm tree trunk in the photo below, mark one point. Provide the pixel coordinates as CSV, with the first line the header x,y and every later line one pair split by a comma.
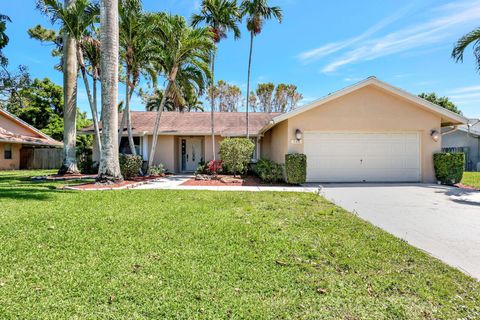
x,y
109,170
153,148
128,95
122,127
91,101
69,164
248,79
212,107
171,79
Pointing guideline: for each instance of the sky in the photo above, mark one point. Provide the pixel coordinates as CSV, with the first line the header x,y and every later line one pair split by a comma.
x,y
321,46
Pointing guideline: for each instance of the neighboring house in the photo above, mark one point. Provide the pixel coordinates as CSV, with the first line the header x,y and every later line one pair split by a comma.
x,y
24,147
370,131
466,141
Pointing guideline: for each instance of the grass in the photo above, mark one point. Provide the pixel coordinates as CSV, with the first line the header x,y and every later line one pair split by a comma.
x,y
471,179
210,255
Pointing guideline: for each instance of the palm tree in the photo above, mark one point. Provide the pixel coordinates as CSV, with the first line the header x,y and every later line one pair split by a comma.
x,y
221,16
77,21
184,55
109,169
137,53
258,11
464,42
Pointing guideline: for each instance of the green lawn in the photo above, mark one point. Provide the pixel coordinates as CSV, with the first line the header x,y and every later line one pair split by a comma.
x,y
210,255
471,179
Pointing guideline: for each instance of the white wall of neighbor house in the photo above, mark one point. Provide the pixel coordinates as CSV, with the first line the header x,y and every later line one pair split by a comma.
x,y
369,109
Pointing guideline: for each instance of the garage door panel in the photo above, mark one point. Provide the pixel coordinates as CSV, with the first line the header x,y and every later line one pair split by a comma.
x,y
357,157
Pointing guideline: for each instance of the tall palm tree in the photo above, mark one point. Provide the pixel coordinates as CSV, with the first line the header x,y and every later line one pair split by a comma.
x,y
70,69
109,169
184,53
77,21
137,53
258,11
221,16
464,42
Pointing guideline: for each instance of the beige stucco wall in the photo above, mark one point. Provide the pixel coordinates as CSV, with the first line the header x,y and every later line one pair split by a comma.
x,y
164,152
274,143
208,147
10,164
369,109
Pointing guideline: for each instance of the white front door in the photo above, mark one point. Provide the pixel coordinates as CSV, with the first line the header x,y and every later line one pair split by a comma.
x,y
191,149
362,157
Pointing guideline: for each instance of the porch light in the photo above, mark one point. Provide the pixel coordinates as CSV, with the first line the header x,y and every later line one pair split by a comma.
x,y
298,134
435,135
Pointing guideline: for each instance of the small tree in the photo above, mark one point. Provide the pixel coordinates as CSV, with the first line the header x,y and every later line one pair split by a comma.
x,y
236,153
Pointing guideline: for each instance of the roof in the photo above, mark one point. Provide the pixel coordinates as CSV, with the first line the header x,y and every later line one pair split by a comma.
x,y
227,124
37,137
448,117
473,130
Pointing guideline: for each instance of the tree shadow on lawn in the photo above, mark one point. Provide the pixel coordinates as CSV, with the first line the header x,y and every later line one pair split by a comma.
x,y
26,193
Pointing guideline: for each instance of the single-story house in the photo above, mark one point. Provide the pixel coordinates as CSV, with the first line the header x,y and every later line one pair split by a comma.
x,y
368,132
465,139
25,147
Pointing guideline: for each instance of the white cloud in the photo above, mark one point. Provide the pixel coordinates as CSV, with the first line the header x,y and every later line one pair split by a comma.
x,y
465,89
365,48
312,55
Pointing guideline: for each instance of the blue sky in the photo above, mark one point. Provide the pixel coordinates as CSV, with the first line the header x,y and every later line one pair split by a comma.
x,y
321,46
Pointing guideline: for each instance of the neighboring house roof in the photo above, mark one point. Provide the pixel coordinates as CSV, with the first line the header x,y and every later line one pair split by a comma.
x,y
474,130
37,137
448,117
227,124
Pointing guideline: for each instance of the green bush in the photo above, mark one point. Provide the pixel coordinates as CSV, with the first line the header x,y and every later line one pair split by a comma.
x,y
236,153
130,165
202,168
449,167
269,171
296,168
157,170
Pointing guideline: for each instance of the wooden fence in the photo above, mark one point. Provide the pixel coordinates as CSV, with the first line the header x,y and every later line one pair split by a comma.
x,y
41,158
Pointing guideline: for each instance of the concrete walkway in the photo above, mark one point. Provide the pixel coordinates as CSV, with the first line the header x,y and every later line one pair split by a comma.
x,y
443,221
175,183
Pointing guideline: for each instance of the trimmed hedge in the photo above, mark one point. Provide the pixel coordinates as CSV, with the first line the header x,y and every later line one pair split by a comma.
x,y
269,171
236,153
296,168
449,167
130,165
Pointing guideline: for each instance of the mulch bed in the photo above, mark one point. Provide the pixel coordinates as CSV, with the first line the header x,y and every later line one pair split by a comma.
x,y
126,184
225,180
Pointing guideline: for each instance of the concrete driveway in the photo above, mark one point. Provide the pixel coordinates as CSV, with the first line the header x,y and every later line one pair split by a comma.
x,y
443,221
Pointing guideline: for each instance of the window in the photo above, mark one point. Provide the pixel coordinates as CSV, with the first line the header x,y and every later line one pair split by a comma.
x,y
7,151
125,147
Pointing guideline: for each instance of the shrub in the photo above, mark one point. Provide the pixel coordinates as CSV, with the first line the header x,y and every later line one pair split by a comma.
x,y
236,153
449,167
269,171
215,167
202,168
296,168
130,165
158,170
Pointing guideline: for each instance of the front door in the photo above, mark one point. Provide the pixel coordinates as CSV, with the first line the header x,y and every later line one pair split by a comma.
x,y
191,149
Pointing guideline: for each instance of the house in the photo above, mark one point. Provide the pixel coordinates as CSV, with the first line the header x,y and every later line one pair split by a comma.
x,y
25,147
464,139
370,131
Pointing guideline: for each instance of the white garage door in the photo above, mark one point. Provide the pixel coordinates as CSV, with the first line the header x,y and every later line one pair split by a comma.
x,y
362,157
